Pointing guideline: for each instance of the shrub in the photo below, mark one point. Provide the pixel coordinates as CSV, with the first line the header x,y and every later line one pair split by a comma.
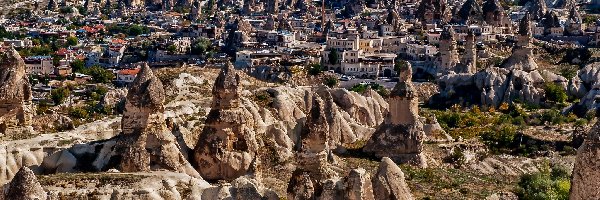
x,y
359,88
500,137
546,184
78,113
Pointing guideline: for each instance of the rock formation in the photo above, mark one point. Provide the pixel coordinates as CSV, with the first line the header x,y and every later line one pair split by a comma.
x,y
522,57
15,94
147,142
227,145
470,13
389,183
358,185
432,11
584,184
495,85
493,14
537,8
301,186
448,58
401,136
24,186
574,22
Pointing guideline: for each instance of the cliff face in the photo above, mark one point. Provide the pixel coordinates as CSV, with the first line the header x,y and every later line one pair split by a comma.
x,y
15,93
584,183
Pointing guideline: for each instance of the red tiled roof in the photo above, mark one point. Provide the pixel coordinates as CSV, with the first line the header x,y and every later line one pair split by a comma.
x,y
129,71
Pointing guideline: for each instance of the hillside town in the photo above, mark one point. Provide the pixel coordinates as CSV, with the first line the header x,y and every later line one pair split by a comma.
x,y
299,99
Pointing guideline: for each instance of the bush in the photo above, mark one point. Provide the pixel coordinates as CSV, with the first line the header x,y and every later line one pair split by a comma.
x,y
500,137
78,113
330,81
546,184
555,92
60,95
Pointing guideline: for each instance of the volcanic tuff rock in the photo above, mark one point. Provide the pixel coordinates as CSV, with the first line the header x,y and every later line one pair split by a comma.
x,y
15,94
227,145
522,57
24,186
470,12
493,13
146,141
389,183
497,85
401,136
584,184
358,185
537,8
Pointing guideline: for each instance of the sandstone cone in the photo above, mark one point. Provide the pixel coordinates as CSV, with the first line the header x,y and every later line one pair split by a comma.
x,y
146,140
25,186
584,184
389,182
15,93
227,145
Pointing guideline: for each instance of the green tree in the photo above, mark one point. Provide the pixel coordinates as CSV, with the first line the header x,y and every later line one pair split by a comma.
x,y
200,47
315,69
72,41
400,65
333,56
172,48
99,74
78,66
59,95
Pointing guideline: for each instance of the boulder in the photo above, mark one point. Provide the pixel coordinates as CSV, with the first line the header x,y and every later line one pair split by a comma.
x,y
389,183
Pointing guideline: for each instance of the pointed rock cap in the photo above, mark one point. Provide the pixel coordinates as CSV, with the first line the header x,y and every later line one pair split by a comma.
x,y
226,90
389,182
25,186
146,90
12,60
492,6
14,84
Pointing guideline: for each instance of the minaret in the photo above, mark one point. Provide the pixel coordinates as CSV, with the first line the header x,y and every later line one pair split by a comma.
x,y
448,53
470,57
